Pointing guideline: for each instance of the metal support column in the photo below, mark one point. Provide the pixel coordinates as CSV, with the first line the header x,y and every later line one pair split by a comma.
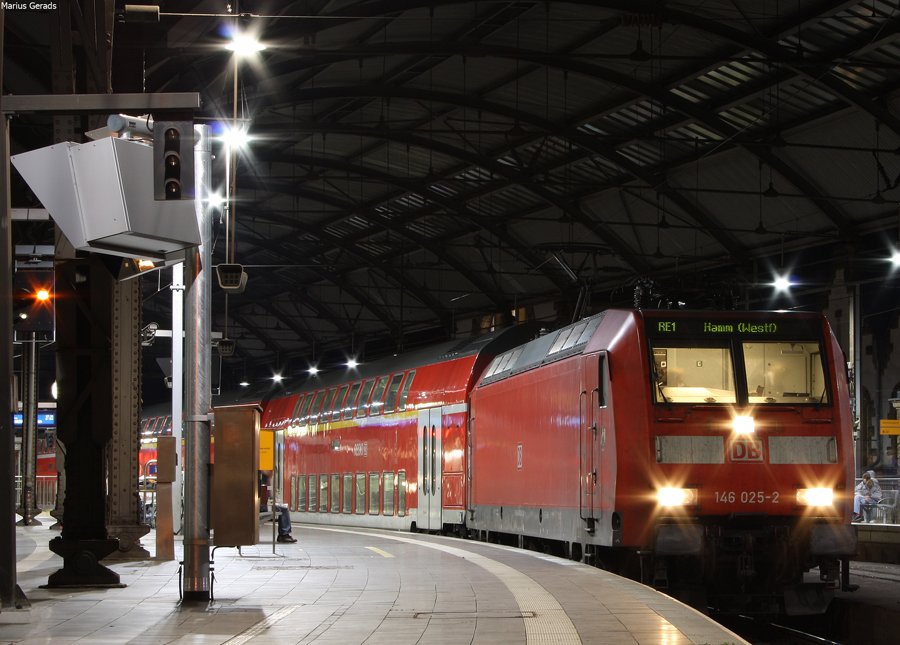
x,y
178,393
123,520
11,596
28,504
197,387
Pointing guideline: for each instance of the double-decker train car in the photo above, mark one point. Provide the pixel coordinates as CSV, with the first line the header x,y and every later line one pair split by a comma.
x,y
384,445
709,454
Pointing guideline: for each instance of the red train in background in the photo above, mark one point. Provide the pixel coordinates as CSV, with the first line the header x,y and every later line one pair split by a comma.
x,y
705,453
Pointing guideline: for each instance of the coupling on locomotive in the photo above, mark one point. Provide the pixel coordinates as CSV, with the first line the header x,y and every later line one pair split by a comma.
x,y
708,454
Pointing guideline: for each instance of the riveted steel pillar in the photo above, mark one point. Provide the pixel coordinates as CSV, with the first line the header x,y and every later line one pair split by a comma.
x,y
84,419
123,521
198,391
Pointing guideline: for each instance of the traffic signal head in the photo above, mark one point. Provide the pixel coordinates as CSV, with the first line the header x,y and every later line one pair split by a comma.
x,y
173,155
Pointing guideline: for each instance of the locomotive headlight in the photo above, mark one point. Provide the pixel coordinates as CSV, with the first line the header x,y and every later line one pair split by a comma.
x,y
668,496
743,425
815,496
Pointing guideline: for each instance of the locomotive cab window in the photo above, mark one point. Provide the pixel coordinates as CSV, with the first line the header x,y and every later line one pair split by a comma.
x,y
787,373
693,374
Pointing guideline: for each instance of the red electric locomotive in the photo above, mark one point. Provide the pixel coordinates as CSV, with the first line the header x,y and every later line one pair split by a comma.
x,y
707,453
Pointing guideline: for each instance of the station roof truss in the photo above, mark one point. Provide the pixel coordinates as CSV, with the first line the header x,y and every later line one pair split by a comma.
x,y
422,170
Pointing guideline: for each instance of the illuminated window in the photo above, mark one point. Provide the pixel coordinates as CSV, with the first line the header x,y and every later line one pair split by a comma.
x,y
360,493
313,487
335,493
348,493
686,374
387,505
374,492
401,493
301,492
326,408
785,372
323,493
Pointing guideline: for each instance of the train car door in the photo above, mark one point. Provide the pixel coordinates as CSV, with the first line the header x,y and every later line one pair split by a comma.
x,y
592,435
429,470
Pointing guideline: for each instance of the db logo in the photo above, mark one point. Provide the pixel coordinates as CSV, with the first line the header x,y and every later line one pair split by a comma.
x,y
746,450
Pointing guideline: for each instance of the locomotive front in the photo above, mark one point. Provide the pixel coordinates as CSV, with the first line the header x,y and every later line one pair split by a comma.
x,y
750,458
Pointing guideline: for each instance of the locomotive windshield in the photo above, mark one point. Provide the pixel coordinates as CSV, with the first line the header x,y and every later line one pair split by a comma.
x,y
784,372
693,374
776,362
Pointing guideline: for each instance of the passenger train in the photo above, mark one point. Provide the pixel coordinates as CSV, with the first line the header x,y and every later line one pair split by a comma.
x,y
706,453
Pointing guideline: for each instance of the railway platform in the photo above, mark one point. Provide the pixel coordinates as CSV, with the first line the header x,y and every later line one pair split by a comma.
x,y
353,586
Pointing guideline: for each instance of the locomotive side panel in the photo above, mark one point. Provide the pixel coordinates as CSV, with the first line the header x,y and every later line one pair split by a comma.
x,y
525,467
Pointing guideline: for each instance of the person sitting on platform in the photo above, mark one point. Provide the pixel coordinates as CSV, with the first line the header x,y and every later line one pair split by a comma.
x,y
868,494
284,515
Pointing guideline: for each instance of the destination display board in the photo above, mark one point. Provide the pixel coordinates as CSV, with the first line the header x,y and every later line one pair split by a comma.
x,y
715,325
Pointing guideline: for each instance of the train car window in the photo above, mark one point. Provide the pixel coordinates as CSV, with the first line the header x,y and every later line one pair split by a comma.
x,y
144,425
404,394
377,394
338,400
295,419
151,424
685,374
788,373
326,408
316,406
293,505
363,404
348,493
390,401
323,493
387,505
313,487
335,493
166,429
360,493
303,415
301,493
401,493
350,404
374,493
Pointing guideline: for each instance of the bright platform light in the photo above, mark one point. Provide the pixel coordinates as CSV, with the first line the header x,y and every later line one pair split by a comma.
x,y
244,45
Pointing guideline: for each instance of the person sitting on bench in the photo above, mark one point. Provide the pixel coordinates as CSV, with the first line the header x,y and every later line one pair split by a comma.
x,y
868,493
284,515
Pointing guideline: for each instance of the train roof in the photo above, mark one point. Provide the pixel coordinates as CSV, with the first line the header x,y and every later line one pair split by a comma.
x,y
548,348
492,342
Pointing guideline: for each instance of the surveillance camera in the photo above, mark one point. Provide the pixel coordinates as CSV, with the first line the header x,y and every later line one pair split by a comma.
x,y
168,381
